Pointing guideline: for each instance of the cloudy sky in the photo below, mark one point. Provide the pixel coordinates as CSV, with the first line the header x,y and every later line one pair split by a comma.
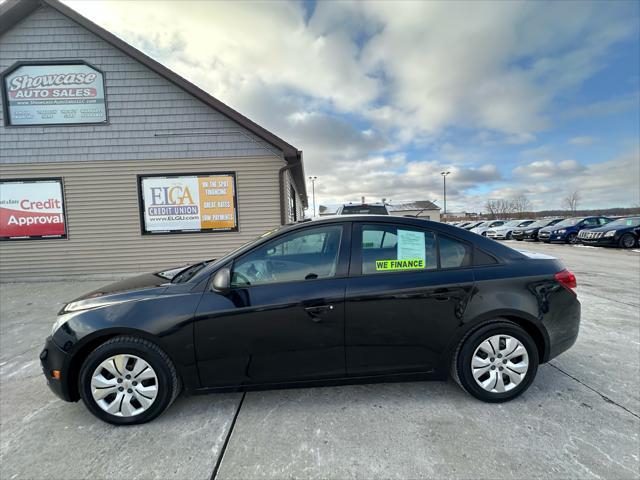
x,y
540,98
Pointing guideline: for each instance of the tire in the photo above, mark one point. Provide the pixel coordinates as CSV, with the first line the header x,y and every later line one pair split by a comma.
x,y
627,241
507,236
572,239
137,365
470,349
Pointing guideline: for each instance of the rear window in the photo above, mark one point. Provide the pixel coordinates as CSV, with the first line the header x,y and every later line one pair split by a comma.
x,y
454,254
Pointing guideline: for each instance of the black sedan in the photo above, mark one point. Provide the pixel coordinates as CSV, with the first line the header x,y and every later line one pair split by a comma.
x,y
623,232
334,300
530,232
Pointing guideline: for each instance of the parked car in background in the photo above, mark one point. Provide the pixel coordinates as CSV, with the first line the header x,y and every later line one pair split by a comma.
x,y
530,232
504,232
485,226
622,232
363,209
376,296
472,225
567,230
463,224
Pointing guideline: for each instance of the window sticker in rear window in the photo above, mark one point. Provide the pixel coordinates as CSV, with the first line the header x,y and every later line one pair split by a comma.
x,y
411,246
395,265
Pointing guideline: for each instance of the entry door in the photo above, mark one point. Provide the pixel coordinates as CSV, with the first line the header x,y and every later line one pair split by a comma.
x,y
400,315
283,319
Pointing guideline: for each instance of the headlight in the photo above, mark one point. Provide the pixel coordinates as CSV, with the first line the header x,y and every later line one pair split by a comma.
x,y
610,233
562,230
61,320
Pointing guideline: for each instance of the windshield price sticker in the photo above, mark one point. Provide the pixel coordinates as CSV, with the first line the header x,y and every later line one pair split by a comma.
x,y
391,265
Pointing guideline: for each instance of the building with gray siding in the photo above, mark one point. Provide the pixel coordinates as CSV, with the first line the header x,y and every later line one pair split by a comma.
x,y
155,124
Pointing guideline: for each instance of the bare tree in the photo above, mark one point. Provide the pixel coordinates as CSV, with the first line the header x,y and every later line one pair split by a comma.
x,y
498,208
521,205
571,201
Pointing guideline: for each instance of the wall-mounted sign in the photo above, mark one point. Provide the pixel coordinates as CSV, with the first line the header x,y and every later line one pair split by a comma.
x,y
32,209
188,203
53,94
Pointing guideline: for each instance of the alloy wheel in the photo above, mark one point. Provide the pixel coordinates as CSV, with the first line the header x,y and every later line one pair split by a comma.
x,y
500,363
124,385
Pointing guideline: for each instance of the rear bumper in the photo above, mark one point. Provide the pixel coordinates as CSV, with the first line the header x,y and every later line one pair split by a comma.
x,y
563,327
53,358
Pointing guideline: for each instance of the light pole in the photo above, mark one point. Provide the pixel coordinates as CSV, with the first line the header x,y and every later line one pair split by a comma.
x,y
444,184
313,190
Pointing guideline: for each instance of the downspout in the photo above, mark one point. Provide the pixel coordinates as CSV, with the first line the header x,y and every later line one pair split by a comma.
x,y
283,204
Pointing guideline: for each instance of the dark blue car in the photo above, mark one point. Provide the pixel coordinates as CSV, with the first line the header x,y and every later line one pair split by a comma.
x,y
567,230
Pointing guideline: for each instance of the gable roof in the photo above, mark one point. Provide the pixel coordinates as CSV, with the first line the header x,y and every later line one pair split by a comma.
x,y
13,11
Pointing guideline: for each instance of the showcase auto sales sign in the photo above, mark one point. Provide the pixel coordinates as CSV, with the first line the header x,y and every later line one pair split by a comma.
x,y
32,209
54,94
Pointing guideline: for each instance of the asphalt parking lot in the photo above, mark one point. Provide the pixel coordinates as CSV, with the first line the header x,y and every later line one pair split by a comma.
x,y
580,419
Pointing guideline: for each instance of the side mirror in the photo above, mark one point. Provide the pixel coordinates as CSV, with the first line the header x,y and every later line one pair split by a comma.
x,y
222,280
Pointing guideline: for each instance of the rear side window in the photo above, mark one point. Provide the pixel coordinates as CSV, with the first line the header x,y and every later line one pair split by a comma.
x,y
387,248
454,254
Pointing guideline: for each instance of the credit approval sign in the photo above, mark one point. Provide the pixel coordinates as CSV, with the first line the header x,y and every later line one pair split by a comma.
x,y
54,94
188,203
32,209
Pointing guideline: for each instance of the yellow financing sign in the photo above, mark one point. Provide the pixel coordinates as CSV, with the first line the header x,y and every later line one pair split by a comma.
x,y
390,265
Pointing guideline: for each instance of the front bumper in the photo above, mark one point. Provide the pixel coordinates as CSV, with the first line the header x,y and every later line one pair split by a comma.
x,y
557,238
599,242
53,358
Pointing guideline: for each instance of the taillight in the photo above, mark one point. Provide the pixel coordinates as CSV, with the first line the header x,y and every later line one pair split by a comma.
x,y
566,279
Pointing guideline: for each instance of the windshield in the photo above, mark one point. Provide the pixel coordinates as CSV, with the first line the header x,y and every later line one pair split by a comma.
x,y
569,222
364,209
541,223
625,222
512,223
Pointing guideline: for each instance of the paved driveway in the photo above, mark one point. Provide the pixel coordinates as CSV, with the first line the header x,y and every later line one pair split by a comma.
x,y
580,419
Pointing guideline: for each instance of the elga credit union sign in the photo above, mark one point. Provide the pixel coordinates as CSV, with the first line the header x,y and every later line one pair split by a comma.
x,y
37,94
32,209
188,203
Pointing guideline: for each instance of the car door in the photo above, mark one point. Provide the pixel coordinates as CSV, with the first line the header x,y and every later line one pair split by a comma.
x,y
283,317
404,300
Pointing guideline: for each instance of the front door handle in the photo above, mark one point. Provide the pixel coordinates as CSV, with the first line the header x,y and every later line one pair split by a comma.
x,y
316,312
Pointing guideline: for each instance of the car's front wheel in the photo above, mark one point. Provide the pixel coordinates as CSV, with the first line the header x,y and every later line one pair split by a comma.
x,y
128,380
496,362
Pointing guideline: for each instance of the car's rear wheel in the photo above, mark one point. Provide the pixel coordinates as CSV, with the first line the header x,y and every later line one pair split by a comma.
x,y
627,241
128,380
496,362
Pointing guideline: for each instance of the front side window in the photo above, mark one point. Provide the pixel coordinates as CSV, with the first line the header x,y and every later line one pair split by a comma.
x,y
387,248
304,255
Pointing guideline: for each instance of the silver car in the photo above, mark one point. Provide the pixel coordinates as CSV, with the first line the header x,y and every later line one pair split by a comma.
x,y
485,226
503,232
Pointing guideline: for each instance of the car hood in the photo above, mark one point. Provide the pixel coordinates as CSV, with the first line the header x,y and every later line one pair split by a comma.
x,y
607,228
555,227
134,288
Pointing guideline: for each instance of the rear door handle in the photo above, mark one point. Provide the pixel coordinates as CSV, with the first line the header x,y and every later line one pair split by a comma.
x,y
316,312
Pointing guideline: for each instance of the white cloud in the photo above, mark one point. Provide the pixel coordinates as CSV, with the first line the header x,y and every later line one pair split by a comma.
x,y
542,169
